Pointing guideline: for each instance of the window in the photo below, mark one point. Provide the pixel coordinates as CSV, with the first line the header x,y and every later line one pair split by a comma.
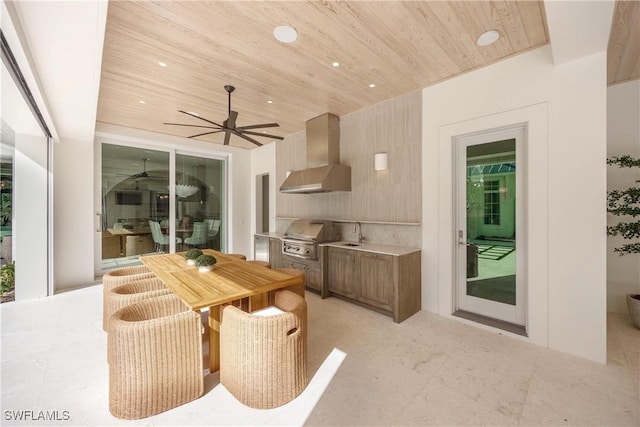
x,y
492,202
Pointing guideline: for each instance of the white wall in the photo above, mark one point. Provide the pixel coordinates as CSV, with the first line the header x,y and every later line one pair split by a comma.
x,y
73,216
565,107
623,137
30,222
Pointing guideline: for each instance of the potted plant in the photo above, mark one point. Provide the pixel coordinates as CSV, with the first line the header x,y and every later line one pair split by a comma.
x,y
205,263
7,281
191,255
626,203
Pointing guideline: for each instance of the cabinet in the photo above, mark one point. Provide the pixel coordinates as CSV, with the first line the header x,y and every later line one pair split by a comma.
x,y
376,280
312,272
386,283
275,252
341,272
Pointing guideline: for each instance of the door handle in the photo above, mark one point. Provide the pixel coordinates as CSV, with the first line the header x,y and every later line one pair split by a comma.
x,y
99,228
461,238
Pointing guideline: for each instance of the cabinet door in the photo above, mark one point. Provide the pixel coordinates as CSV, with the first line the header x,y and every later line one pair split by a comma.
x,y
275,252
376,280
342,266
314,277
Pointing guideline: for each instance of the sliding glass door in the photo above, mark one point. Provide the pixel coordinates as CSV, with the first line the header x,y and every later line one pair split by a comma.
x,y
139,215
135,193
200,195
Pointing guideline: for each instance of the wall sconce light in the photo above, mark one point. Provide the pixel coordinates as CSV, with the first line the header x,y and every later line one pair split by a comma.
x,y
287,173
380,161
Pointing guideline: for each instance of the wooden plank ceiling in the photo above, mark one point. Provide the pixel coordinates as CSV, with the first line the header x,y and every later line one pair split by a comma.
x,y
398,46
623,53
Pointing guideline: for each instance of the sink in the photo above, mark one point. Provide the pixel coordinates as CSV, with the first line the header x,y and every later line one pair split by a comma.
x,y
351,244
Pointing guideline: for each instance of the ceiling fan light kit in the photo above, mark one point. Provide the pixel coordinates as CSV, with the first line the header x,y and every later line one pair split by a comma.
x,y
229,125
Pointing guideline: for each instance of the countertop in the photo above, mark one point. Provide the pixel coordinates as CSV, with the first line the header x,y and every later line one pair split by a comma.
x,y
271,234
366,247
373,247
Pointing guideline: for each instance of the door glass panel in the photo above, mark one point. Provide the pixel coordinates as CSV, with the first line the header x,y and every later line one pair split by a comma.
x,y
200,221
135,196
491,221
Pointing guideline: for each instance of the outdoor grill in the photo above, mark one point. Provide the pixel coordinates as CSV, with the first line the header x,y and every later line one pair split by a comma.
x,y
303,236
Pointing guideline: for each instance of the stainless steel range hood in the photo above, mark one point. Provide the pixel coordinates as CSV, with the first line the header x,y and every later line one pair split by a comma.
x,y
323,173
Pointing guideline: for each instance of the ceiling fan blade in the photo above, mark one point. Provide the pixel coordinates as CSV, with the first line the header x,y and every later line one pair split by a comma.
x,y
191,126
264,125
247,138
231,121
206,133
198,117
266,135
226,138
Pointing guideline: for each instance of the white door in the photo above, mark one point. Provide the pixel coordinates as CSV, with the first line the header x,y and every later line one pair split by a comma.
x,y
490,224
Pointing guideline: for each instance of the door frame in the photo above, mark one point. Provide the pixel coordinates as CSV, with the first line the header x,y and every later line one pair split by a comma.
x,y
503,312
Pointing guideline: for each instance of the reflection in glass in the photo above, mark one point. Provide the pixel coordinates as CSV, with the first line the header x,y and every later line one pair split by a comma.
x,y
135,196
491,221
199,201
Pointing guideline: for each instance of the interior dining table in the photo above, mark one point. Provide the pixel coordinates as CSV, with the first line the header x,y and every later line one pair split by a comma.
x,y
232,280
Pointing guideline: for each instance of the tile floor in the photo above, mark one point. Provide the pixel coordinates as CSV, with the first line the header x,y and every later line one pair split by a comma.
x,y
428,370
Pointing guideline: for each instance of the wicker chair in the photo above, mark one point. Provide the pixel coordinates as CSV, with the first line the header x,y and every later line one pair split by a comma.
x,y
119,277
263,360
155,357
261,263
298,289
131,293
125,275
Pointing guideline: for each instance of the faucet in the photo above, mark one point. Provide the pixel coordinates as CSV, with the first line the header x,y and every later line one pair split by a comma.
x,y
360,236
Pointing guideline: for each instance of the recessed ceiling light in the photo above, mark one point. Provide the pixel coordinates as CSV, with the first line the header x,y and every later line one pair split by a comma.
x,y
162,64
285,34
142,102
336,64
269,102
488,38
372,85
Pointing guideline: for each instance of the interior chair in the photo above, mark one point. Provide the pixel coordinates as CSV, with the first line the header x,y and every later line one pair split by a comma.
x,y
155,357
297,289
263,358
199,236
160,240
131,293
213,227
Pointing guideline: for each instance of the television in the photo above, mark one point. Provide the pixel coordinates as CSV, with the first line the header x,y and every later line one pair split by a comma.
x,y
128,198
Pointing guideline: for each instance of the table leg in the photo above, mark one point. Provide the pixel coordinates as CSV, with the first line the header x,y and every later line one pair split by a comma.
x,y
214,338
256,302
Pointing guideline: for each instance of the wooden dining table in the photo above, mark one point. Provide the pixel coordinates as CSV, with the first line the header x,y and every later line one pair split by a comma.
x,y
231,280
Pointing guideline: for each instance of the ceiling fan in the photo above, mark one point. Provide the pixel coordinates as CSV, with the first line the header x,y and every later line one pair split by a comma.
x,y
145,174
229,125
